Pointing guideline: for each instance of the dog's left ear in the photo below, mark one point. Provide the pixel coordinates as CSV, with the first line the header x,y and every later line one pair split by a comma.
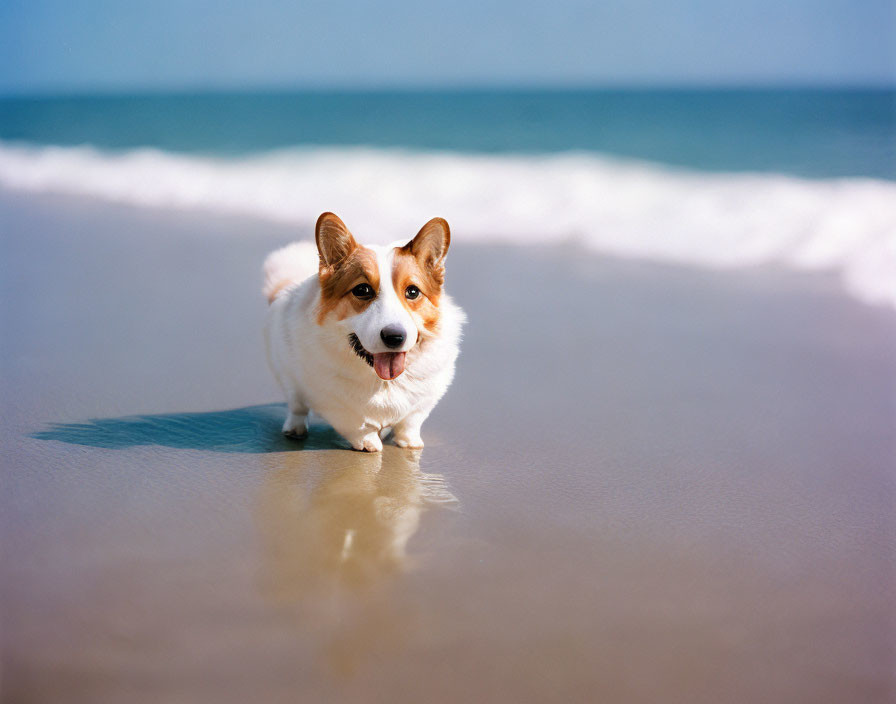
x,y
430,245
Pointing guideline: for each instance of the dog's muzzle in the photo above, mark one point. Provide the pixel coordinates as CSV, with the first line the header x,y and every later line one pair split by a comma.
x,y
387,365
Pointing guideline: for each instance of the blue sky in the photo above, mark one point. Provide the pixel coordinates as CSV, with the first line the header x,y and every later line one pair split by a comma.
x,y
69,45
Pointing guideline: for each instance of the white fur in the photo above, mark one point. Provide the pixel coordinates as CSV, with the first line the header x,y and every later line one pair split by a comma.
x,y
318,370
293,263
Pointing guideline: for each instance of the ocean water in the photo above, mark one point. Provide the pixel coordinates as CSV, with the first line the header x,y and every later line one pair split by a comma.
x,y
726,178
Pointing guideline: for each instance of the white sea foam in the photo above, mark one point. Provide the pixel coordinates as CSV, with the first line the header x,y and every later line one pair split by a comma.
x,y
622,208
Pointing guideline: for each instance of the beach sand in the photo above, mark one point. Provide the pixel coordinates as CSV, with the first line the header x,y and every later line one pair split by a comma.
x,y
647,484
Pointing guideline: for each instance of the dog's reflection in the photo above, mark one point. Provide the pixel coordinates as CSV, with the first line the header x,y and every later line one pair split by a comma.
x,y
336,526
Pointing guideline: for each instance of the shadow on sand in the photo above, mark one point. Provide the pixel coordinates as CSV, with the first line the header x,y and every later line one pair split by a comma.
x,y
253,429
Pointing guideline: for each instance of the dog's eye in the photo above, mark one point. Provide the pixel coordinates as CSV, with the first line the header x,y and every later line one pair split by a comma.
x,y
363,291
412,292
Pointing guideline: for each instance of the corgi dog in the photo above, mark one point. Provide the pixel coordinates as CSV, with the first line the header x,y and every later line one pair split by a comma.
x,y
363,335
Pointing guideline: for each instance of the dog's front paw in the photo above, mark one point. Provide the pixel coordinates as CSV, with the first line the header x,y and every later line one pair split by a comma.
x,y
410,440
295,426
296,433
369,443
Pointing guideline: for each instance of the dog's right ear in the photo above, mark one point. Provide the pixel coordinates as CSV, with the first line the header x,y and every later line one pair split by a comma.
x,y
334,241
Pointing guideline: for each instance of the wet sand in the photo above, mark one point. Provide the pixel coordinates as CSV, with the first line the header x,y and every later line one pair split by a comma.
x,y
647,484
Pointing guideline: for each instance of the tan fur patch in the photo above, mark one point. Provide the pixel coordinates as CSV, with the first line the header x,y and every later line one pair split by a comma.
x,y
337,282
278,288
408,270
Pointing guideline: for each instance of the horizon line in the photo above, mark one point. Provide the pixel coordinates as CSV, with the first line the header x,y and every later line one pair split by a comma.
x,y
459,87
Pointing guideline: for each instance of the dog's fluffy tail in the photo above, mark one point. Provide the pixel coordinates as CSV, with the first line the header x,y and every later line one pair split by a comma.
x,y
290,265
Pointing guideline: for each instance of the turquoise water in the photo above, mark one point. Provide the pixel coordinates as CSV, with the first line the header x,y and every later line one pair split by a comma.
x,y
814,133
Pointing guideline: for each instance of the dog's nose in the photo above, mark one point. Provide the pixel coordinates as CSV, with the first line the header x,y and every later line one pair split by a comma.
x,y
392,335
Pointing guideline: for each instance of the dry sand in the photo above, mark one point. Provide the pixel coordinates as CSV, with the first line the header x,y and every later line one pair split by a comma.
x,y
647,484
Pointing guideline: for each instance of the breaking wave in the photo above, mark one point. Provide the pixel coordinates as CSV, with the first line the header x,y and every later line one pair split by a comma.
x,y
616,207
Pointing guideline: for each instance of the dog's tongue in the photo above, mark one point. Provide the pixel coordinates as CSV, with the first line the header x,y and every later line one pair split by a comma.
x,y
389,365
